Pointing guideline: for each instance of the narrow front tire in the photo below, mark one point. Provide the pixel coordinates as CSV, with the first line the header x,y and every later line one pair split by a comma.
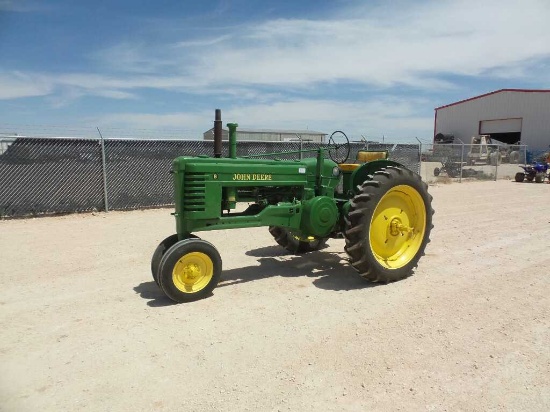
x,y
159,253
190,270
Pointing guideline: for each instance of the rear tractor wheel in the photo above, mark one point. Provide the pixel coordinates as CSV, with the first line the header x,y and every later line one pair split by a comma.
x,y
388,225
190,270
296,244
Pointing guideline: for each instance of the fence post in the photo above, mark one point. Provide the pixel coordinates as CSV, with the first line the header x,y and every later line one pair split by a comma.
x,y
301,144
461,161
496,163
419,156
104,169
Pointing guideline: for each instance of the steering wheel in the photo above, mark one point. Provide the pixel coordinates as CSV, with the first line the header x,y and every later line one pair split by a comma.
x,y
338,152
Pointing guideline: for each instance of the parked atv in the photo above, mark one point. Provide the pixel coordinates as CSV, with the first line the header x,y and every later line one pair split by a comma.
x,y
448,166
453,169
537,172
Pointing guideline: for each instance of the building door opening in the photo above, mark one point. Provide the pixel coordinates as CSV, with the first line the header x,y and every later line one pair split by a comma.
x,y
504,130
508,138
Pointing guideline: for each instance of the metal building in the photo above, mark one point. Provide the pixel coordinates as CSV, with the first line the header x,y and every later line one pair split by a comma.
x,y
6,141
508,115
271,135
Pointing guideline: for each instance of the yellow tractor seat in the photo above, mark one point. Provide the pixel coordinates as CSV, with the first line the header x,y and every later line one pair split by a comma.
x,y
348,167
364,156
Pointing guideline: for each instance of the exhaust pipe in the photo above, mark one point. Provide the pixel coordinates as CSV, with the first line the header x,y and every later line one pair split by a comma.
x,y
218,134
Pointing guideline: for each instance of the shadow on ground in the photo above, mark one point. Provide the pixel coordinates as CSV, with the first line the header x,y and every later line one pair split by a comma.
x,y
330,272
330,269
156,297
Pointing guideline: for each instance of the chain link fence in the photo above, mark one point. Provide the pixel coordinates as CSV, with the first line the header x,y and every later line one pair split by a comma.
x,y
40,175
50,176
458,162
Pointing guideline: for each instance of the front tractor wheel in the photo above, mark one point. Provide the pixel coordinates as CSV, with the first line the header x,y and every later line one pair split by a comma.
x,y
190,270
294,243
159,253
388,225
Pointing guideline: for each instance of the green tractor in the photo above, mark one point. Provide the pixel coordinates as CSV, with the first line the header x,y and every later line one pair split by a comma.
x,y
381,208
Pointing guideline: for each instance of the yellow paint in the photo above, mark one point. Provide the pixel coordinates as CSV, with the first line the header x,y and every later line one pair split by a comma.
x,y
192,272
365,156
397,227
252,176
348,167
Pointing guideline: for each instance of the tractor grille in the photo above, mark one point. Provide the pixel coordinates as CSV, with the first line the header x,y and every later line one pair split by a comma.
x,y
194,191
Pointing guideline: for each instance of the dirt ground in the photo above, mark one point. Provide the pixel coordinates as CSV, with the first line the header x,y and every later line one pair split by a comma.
x,y
84,327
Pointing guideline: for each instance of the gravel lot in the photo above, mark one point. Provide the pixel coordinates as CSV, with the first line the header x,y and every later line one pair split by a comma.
x,y
84,327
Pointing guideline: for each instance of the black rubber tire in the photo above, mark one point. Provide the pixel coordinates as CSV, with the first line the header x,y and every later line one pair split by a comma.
x,y
286,239
539,177
359,218
519,177
437,170
160,251
174,254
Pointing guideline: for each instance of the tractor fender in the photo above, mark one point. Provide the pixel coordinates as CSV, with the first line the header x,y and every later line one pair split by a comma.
x,y
362,172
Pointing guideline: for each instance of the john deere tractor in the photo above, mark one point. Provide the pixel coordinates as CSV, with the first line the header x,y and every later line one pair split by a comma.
x,y
381,208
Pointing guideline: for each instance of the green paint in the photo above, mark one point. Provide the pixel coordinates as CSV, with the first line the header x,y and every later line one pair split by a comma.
x,y
232,139
299,195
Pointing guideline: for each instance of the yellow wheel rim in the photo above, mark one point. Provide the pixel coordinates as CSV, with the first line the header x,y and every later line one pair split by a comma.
x,y
397,227
192,272
304,238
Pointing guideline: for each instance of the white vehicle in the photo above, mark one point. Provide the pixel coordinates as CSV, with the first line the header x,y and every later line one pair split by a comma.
x,y
482,150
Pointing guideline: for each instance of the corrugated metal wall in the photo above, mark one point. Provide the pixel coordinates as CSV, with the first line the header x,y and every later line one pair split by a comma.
x,y
463,119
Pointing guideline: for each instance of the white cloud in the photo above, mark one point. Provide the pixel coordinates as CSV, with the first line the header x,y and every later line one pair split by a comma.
x,y
115,94
391,117
20,6
254,69
15,85
411,44
202,42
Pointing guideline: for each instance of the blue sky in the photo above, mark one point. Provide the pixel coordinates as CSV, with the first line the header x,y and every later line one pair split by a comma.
x,y
370,68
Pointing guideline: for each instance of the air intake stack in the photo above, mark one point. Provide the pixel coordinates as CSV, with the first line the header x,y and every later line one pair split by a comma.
x,y
218,134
